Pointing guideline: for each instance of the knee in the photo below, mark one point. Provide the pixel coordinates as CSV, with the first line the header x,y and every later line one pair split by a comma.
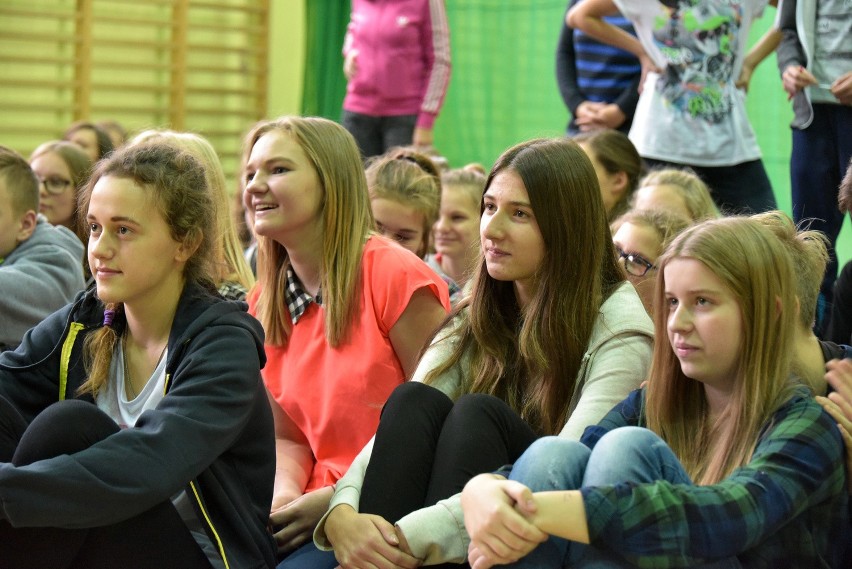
x,y
472,406
631,454
552,463
413,393
626,442
64,427
415,397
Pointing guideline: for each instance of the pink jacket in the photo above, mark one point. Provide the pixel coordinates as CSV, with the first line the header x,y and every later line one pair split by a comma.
x,y
403,58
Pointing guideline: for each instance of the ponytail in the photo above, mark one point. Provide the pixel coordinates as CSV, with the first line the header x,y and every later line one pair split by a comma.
x,y
98,349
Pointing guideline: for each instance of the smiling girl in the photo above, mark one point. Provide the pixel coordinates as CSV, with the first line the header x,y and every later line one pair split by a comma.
x,y
346,312
456,232
135,428
549,339
723,460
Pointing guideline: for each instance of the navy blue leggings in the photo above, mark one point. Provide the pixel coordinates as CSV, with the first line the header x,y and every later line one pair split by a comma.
x,y
156,538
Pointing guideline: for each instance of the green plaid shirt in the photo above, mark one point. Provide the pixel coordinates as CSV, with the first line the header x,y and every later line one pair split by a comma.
x,y
785,508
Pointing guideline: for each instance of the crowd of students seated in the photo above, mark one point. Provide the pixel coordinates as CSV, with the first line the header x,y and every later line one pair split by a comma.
x,y
595,353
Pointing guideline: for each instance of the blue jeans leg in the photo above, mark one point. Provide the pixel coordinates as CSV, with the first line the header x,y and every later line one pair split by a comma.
x,y
550,463
309,557
636,455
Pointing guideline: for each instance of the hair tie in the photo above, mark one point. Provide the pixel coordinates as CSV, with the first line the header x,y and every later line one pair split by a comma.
x,y
109,315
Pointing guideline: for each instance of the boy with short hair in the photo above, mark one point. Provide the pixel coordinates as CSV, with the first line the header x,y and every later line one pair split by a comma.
x,y
40,265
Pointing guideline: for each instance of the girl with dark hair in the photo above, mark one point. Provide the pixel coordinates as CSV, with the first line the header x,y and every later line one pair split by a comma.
x,y
91,138
135,428
549,339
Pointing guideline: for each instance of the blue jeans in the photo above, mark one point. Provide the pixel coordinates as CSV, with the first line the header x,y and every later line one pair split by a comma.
x,y
626,454
818,162
309,557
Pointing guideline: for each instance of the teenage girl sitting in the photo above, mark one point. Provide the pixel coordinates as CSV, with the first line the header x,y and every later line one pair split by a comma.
x,y
346,313
550,338
723,460
135,428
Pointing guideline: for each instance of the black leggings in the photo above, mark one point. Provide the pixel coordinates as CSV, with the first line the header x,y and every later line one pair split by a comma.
x,y
427,448
155,538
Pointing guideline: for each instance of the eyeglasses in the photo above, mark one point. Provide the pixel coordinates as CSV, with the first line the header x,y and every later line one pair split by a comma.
x,y
54,185
634,264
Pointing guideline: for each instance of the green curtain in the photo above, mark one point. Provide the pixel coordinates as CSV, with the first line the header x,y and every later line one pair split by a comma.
x,y
325,84
503,85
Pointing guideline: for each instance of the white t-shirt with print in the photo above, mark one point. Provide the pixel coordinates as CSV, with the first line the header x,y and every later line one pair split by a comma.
x,y
692,113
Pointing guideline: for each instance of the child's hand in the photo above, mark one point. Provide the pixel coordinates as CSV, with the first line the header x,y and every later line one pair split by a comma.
x,y
795,78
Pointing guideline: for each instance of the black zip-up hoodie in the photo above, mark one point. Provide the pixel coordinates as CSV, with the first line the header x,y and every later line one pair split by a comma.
x,y
212,434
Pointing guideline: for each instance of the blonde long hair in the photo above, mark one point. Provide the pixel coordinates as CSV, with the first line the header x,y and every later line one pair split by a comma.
x,y
229,251
347,221
177,185
694,191
530,358
757,270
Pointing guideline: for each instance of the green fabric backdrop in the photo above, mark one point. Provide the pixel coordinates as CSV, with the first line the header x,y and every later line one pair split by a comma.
x,y
324,84
503,85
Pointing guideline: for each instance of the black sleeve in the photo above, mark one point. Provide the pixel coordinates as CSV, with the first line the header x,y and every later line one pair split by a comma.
x,y
790,50
29,375
566,69
839,328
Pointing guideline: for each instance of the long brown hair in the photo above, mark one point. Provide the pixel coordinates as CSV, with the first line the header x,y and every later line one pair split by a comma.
x,y
757,270
530,358
177,185
347,222
614,151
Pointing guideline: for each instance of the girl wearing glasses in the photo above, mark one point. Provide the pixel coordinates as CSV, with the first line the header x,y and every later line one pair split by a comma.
x,y
62,169
640,236
724,460
549,339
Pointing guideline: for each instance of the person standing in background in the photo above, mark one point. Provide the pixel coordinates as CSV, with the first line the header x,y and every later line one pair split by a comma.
x,y
599,83
397,64
690,112
816,71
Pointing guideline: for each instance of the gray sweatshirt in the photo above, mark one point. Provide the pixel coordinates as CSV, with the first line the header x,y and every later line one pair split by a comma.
x,y
39,276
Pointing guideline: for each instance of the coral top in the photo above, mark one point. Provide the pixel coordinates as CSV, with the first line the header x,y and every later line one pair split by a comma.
x,y
335,395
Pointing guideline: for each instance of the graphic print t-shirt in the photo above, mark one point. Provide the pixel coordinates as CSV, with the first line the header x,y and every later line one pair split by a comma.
x,y
691,112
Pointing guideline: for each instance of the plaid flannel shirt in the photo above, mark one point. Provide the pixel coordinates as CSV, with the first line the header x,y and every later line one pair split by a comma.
x,y
786,508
